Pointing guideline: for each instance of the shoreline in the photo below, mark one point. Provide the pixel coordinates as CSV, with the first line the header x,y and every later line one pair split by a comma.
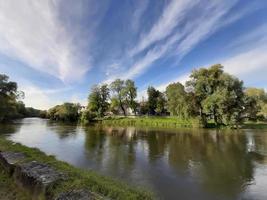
x,y
170,123
100,186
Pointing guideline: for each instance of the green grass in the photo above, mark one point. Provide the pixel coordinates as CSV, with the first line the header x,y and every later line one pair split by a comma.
x,y
152,121
8,189
255,125
78,178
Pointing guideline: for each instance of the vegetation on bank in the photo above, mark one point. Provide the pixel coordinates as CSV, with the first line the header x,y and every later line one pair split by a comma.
x,y
161,122
8,189
210,94
11,106
78,178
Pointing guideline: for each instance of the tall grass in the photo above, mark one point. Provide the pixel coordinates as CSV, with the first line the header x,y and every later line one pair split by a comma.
x,y
152,121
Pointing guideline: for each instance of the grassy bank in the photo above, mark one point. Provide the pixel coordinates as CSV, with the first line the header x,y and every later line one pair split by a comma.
x,y
8,189
255,125
77,178
151,121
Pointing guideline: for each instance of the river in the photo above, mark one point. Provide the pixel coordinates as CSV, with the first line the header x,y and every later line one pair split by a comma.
x,y
175,164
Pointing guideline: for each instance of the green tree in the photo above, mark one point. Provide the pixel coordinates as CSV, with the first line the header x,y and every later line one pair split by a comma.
x,y
260,97
152,94
8,98
161,104
98,99
177,100
218,95
65,112
130,93
118,89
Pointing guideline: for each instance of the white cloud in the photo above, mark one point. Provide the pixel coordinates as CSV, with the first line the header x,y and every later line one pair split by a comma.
x,y
32,32
137,15
205,22
170,18
37,98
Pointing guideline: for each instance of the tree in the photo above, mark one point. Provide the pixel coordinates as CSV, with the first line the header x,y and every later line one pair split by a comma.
x,y
65,112
218,95
161,104
176,100
118,89
8,98
98,99
260,98
130,93
152,94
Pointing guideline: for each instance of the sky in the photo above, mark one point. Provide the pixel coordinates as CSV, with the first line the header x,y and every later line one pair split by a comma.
x,y
56,50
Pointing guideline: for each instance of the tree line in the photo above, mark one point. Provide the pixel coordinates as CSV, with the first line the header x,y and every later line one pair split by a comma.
x,y
11,104
210,94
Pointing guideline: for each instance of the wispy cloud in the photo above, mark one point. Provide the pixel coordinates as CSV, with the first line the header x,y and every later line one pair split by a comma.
x,y
170,18
196,28
33,32
137,15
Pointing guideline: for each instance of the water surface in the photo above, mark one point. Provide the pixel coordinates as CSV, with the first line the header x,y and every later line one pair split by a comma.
x,y
175,164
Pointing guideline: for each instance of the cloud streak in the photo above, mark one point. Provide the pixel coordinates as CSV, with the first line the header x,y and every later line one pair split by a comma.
x,y
32,32
181,38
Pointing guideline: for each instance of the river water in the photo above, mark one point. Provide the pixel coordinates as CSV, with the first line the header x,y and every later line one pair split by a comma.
x,y
175,164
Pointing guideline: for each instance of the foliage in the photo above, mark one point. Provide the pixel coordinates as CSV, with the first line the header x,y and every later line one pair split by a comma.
x,y
259,97
130,92
88,116
118,89
11,106
66,112
219,96
8,98
177,100
156,103
98,100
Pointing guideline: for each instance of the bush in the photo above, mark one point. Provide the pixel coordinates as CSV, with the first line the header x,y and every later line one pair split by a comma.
x,y
88,116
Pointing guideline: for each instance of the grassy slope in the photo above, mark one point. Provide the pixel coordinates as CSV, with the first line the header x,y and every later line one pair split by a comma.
x,y
151,121
78,178
8,189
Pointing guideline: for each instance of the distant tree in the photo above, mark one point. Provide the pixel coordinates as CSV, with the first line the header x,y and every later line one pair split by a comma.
x,y
260,97
98,99
161,104
177,100
118,89
143,105
65,112
114,105
152,94
130,93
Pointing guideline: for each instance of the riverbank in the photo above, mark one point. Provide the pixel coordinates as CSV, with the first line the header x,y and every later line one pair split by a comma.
x,y
170,122
75,179
151,121
8,188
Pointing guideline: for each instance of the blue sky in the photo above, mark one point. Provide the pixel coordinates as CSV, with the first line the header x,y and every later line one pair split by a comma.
x,y
57,49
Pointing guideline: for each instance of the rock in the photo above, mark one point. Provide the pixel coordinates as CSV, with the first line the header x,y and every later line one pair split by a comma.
x,y
36,177
10,159
76,195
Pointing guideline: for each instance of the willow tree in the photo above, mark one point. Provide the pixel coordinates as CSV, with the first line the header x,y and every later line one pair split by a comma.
x,y
219,96
176,100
